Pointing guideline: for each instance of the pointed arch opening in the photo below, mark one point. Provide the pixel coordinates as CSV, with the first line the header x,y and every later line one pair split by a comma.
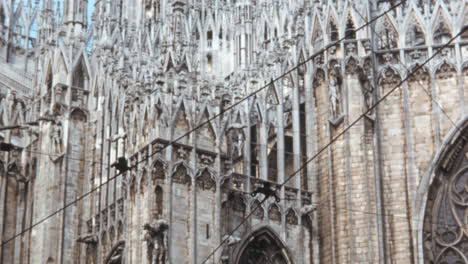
x,y
442,33
80,76
158,202
263,247
415,35
333,31
350,32
446,206
388,35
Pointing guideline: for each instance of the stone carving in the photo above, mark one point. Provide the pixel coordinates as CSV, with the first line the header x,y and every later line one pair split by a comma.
x,y
236,140
231,240
442,33
158,171
142,64
205,182
291,218
156,241
415,36
182,154
389,77
387,36
445,71
274,213
205,160
307,209
335,94
181,175
259,213
56,135
367,90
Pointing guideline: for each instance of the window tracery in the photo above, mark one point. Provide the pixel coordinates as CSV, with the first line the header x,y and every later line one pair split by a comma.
x,y
445,220
264,248
388,36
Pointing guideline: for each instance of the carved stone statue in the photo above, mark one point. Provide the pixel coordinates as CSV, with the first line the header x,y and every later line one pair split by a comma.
x,y
367,90
415,36
236,140
156,241
56,138
335,95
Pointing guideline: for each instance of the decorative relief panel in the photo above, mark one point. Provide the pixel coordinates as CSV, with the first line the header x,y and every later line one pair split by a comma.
x,y
181,176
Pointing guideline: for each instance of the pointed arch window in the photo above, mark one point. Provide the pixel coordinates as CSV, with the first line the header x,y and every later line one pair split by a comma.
x,y
388,37
333,32
49,82
209,38
79,76
445,220
350,30
158,202
220,37
263,247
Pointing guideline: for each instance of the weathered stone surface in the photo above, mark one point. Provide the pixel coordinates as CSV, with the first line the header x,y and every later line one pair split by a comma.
x,y
140,76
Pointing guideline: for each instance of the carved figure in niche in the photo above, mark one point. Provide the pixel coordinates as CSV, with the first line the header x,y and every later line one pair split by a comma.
x,y
158,171
335,94
205,182
236,140
367,90
10,99
14,168
156,241
181,153
181,176
388,38
291,218
56,137
442,33
274,213
415,36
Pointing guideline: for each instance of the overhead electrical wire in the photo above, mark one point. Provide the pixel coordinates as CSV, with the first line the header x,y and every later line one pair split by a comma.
x,y
418,67
322,50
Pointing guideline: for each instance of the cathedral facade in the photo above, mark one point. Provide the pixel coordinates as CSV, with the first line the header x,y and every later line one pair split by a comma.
x,y
197,99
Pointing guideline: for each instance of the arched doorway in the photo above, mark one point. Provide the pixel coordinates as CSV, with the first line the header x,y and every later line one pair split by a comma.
x,y
263,247
444,236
